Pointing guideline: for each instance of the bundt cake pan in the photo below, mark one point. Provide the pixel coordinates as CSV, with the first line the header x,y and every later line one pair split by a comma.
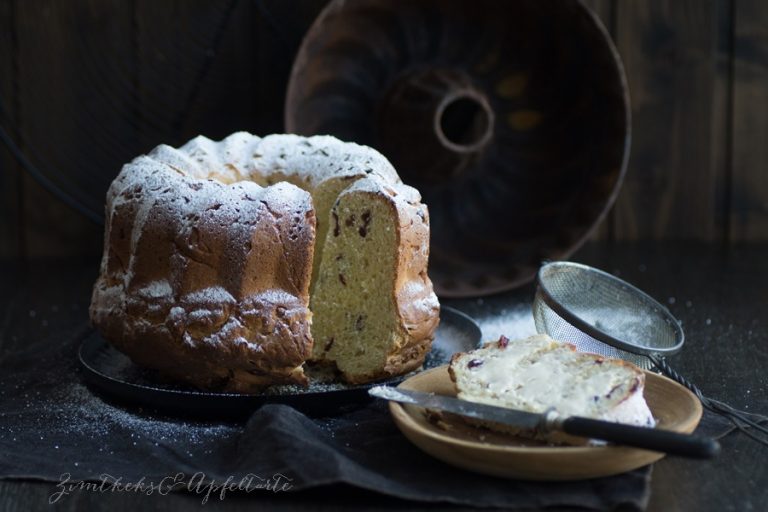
x,y
511,118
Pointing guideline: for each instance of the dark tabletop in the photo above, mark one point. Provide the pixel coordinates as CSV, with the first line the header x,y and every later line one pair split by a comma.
x,y
719,294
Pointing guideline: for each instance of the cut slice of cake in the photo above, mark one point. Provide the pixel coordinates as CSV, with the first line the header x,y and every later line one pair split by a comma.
x,y
374,310
538,372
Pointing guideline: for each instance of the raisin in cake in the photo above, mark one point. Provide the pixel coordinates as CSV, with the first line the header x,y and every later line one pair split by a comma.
x,y
219,256
538,372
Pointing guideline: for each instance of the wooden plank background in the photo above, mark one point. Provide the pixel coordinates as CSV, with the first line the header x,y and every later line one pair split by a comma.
x,y
697,72
670,52
11,191
748,214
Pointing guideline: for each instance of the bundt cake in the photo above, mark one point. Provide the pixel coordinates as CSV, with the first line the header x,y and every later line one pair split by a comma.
x,y
223,260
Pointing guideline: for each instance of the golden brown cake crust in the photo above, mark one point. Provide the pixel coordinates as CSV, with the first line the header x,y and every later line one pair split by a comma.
x,y
206,282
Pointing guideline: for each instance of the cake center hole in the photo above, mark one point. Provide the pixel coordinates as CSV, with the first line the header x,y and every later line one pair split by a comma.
x,y
465,123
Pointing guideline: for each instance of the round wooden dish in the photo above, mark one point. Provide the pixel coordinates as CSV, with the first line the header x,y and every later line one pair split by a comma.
x,y
453,441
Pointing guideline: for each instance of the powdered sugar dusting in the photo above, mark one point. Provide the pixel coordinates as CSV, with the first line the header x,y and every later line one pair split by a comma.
x,y
78,409
515,322
212,294
156,290
52,412
632,326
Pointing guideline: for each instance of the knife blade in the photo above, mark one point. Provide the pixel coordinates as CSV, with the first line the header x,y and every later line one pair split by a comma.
x,y
672,443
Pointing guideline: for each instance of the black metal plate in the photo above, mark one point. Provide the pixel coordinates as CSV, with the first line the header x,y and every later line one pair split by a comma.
x,y
110,372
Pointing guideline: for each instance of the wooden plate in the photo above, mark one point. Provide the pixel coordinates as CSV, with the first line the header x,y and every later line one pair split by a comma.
x,y
453,441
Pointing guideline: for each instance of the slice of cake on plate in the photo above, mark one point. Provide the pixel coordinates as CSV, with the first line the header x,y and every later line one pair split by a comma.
x,y
538,372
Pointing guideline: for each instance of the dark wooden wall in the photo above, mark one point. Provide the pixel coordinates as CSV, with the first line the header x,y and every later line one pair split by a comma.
x,y
697,73
105,80
698,79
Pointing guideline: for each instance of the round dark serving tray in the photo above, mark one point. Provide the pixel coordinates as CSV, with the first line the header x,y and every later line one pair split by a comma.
x,y
108,371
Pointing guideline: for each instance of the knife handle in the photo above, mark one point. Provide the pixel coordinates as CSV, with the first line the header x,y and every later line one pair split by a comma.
x,y
656,440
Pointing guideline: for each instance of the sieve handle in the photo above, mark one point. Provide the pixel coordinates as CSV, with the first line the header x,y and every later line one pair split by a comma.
x,y
656,440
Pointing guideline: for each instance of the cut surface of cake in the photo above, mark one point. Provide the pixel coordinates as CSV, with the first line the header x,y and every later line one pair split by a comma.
x,y
537,373
212,252
372,299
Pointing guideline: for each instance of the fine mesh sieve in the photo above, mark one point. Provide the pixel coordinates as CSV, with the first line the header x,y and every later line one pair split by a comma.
x,y
602,314
599,313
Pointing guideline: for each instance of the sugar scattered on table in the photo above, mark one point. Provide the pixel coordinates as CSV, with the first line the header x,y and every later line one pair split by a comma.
x,y
76,409
515,322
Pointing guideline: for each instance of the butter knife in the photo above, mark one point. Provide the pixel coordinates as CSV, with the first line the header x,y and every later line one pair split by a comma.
x,y
657,440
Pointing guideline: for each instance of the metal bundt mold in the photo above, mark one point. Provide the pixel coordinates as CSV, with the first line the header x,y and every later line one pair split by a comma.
x,y
511,118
